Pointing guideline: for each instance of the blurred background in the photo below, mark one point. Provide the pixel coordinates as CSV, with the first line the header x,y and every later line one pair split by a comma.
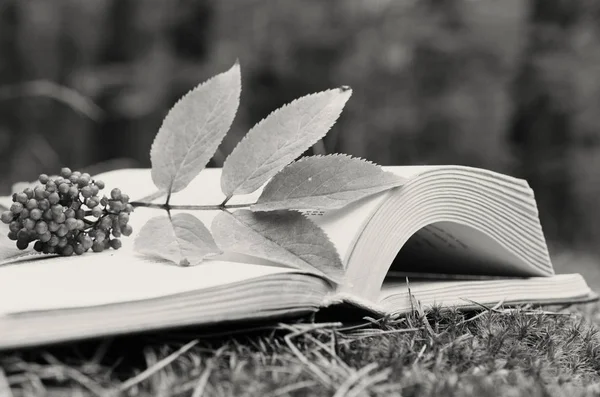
x,y
509,85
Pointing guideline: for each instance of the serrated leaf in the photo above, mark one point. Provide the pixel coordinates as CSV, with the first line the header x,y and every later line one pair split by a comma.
x,y
193,130
183,239
324,182
286,237
279,139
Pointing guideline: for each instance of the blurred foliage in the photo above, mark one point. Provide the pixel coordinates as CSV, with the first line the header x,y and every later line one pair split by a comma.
x,y
510,85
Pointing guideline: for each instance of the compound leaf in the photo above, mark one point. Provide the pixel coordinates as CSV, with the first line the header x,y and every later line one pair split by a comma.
x,y
183,239
324,182
193,130
286,237
280,138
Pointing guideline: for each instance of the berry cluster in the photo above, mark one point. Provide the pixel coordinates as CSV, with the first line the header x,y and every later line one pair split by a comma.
x,y
66,215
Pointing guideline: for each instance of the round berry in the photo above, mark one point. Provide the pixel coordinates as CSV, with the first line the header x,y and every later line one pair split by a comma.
x,y
43,204
87,242
97,211
50,186
44,238
80,224
14,226
92,202
53,242
74,178
31,204
39,192
53,226
100,236
86,191
28,192
70,213
12,235
53,198
95,190
24,214
105,223
23,234
116,233
127,230
56,209
41,227
16,208
35,214
47,216
21,198
62,242
67,250
64,188
73,191
116,206
115,194
128,208
60,218
43,178
38,246
75,205
115,243
80,214
123,218
78,248
62,230
29,224
7,217
22,244
84,180
100,184
124,198
70,223
65,172
98,246
48,249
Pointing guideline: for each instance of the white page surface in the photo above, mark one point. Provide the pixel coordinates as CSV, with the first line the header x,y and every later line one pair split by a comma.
x,y
110,277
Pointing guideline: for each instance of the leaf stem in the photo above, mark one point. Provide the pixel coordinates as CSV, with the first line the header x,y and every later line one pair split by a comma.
x,y
188,207
225,201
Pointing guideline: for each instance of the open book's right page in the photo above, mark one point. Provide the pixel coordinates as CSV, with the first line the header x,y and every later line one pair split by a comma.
x,y
452,220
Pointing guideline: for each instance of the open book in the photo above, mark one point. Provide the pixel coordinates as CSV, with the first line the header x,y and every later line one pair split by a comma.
x,y
452,235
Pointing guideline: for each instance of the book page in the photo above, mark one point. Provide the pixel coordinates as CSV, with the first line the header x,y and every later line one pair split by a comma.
x,y
447,247
111,277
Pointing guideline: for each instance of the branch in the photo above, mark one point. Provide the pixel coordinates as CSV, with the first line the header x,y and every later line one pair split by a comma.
x,y
167,206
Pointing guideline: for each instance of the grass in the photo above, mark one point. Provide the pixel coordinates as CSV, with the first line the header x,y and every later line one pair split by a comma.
x,y
522,352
